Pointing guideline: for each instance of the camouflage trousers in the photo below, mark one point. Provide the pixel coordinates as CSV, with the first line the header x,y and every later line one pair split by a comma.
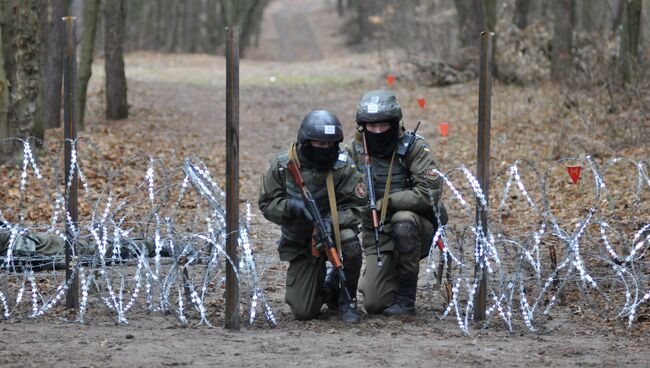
x,y
378,285
306,275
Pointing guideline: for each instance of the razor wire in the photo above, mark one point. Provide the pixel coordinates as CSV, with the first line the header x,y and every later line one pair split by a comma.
x,y
603,259
151,240
157,243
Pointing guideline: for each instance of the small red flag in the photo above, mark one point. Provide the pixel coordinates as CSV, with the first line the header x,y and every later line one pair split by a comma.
x,y
390,79
421,102
574,173
444,128
441,246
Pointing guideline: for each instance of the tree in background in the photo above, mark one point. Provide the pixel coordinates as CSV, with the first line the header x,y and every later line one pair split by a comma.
x,y
522,8
563,17
115,19
89,19
629,46
5,147
21,52
51,32
191,26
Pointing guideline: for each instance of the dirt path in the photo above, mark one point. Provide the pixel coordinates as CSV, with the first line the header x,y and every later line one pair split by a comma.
x,y
178,103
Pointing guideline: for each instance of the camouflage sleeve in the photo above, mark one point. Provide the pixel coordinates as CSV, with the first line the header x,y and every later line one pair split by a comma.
x,y
427,184
351,197
272,200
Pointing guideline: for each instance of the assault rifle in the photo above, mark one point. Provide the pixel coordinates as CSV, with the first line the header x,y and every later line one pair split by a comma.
x,y
372,201
402,149
324,235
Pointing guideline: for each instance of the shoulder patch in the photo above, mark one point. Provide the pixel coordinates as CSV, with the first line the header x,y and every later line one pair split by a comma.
x,y
360,190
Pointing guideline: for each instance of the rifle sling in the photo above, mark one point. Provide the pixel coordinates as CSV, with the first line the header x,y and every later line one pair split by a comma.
x,y
384,203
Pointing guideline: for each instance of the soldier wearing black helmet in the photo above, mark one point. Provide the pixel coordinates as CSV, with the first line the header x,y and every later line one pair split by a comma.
x,y
408,192
318,155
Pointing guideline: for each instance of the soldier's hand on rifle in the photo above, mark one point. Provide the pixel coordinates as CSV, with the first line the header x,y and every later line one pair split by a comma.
x,y
297,208
327,223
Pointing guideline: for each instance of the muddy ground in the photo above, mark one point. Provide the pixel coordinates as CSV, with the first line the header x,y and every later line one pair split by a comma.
x,y
178,104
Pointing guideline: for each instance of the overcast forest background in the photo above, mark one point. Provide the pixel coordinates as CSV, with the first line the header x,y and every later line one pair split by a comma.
x,y
571,87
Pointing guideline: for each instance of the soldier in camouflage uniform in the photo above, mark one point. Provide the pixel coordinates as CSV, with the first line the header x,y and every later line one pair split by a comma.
x,y
317,151
408,192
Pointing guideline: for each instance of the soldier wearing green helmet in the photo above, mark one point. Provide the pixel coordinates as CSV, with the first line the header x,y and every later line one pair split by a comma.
x,y
408,191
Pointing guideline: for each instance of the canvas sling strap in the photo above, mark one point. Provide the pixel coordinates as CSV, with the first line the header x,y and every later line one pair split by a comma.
x,y
331,195
384,203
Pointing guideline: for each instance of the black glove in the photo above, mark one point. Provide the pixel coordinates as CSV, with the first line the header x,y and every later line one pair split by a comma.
x,y
298,209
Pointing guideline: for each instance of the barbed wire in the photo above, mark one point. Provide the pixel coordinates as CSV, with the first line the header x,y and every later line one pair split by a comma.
x,y
161,239
130,241
526,276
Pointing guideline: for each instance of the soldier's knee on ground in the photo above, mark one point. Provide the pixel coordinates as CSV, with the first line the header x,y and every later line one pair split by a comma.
x,y
303,314
375,305
406,236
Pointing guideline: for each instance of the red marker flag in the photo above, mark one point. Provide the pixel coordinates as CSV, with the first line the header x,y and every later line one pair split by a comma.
x,y
441,246
390,79
421,102
444,129
574,173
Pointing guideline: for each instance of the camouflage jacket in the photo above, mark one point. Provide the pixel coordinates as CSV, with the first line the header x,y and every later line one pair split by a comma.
x,y
415,184
278,187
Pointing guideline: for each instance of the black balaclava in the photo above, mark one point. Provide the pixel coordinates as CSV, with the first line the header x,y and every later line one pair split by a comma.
x,y
382,144
318,158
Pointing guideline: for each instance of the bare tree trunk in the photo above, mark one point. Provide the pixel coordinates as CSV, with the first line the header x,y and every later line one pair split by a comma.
x,y
629,47
51,30
562,39
366,29
214,27
645,24
5,147
172,31
617,20
522,7
472,20
116,102
22,58
90,15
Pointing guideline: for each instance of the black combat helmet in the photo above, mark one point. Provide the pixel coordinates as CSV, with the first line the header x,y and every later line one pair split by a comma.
x,y
378,106
320,125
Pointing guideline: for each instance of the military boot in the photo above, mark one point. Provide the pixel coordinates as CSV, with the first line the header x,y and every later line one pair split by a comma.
x,y
404,303
331,289
348,312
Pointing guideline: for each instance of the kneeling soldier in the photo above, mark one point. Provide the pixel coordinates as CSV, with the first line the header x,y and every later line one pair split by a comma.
x,y
338,195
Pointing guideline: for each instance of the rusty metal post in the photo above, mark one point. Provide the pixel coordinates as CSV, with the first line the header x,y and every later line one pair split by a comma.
x,y
70,131
483,164
232,175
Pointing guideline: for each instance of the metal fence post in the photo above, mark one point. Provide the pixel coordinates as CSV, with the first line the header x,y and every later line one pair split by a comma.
x,y
70,131
232,175
483,164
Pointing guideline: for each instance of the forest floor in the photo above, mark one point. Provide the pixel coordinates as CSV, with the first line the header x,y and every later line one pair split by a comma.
x,y
178,107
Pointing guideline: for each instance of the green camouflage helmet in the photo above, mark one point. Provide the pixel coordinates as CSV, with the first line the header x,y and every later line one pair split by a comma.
x,y
378,106
320,125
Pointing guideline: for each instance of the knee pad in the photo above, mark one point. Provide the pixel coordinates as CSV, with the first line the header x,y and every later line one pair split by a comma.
x,y
406,237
